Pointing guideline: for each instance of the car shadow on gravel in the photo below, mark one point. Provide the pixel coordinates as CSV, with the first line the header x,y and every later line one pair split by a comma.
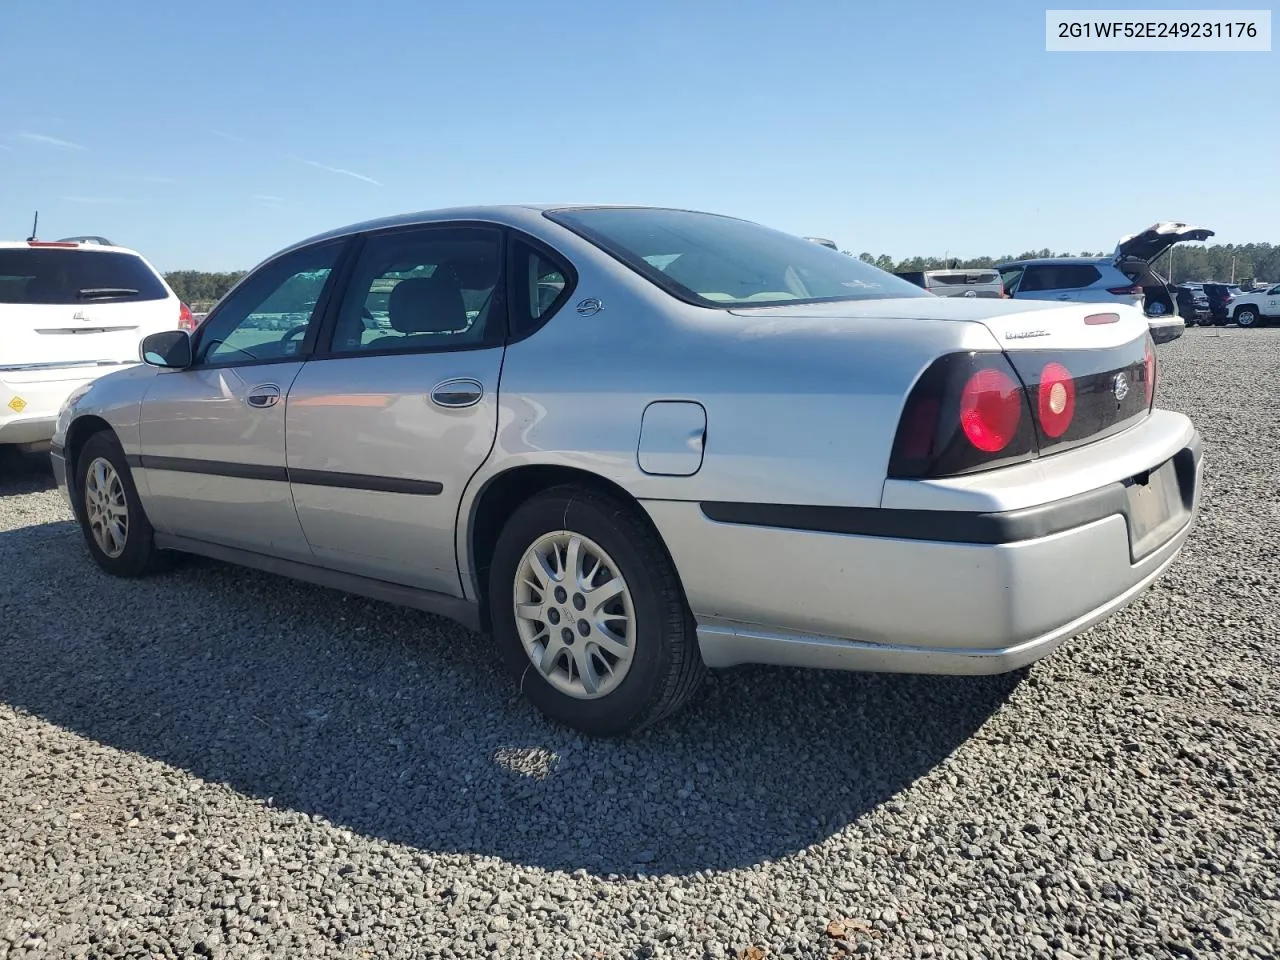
x,y
24,473
400,726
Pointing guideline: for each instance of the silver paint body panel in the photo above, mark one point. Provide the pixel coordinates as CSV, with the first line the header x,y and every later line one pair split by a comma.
x,y
798,405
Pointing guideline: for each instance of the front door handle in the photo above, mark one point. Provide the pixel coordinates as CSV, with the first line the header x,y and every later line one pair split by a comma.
x,y
460,392
263,395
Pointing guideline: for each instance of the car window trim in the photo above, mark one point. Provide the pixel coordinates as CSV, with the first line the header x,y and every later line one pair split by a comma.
x,y
542,249
325,333
313,325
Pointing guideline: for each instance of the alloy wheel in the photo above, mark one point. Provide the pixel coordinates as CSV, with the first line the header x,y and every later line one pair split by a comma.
x,y
106,508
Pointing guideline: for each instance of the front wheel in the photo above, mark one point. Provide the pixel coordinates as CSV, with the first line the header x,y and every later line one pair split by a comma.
x,y
589,615
116,529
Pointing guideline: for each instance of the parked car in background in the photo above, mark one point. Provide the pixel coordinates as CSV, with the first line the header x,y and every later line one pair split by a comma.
x,y
1125,277
937,484
71,310
1193,305
971,282
1256,309
1219,296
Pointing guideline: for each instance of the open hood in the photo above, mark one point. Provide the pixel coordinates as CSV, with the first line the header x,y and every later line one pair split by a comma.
x,y
1158,238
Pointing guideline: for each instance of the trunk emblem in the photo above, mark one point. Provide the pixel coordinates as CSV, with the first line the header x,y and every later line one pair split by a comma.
x,y
79,315
1120,387
1025,334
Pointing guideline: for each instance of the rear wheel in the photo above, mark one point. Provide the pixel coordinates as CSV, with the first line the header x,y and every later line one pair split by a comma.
x,y
589,615
116,528
1246,317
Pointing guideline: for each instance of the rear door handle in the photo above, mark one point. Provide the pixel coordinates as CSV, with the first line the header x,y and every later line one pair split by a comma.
x,y
459,392
263,395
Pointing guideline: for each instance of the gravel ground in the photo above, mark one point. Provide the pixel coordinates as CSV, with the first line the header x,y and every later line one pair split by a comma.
x,y
219,763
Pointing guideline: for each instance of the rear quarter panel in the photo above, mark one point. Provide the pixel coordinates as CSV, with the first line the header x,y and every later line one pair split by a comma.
x,y
799,410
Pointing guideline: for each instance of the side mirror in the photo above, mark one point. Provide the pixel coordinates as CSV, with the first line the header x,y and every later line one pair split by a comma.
x,y
170,349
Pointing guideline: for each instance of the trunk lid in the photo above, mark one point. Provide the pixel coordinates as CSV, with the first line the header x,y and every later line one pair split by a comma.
x,y
1016,324
1156,239
1098,351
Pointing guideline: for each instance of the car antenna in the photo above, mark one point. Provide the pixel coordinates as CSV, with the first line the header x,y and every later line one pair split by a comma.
x,y
34,223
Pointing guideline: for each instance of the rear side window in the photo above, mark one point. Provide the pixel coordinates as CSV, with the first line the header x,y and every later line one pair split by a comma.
x,y
59,276
541,283
1055,276
423,289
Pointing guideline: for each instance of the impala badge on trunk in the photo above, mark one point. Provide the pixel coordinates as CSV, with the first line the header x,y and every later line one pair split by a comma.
x,y
1120,387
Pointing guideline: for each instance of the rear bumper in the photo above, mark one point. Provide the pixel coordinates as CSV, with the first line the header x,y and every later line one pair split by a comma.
x,y
31,397
1000,591
1164,329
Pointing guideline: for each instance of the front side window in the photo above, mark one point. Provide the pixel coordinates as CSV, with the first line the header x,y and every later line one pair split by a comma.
x,y
428,288
267,316
720,261
79,277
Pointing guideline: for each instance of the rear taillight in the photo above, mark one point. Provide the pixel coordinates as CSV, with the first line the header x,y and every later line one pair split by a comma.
x,y
1133,291
1057,399
990,409
1151,371
967,412
185,320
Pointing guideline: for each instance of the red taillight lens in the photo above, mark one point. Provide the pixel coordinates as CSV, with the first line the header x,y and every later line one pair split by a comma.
x,y
185,320
1133,291
967,412
990,409
1149,366
1057,404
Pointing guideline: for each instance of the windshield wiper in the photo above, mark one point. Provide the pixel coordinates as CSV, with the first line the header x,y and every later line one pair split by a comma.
x,y
98,293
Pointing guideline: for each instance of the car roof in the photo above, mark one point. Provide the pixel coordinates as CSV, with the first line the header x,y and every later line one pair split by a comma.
x,y
1040,261
65,245
510,214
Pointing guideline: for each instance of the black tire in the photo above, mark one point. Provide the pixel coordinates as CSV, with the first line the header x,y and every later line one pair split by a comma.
x,y
140,555
1247,317
666,666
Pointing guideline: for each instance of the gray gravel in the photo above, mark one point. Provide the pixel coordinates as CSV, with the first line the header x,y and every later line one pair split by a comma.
x,y
219,763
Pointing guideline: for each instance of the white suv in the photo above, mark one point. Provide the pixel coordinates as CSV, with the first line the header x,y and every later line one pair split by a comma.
x,y
70,311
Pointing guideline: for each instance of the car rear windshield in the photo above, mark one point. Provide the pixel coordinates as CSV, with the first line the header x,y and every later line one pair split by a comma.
x,y
61,276
965,277
719,261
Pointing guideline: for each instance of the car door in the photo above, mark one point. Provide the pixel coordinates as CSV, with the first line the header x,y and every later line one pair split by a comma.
x,y
393,417
1271,305
212,435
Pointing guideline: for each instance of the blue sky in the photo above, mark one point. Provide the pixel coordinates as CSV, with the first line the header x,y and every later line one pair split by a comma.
x,y
208,135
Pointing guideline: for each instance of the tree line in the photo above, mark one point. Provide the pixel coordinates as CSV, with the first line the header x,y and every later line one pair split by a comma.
x,y
1190,262
199,288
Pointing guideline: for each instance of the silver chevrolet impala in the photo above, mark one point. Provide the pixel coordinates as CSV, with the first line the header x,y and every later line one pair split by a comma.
x,y
631,444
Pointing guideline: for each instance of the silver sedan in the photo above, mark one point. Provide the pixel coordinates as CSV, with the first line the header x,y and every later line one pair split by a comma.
x,y
631,444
